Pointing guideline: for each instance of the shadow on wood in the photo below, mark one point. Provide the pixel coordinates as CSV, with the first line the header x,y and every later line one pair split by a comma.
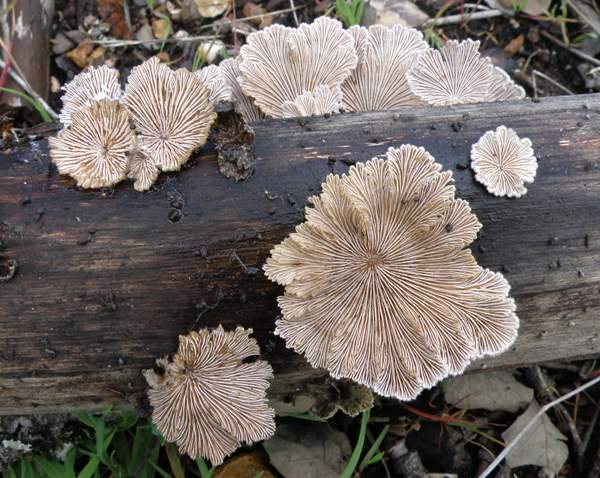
x,y
107,280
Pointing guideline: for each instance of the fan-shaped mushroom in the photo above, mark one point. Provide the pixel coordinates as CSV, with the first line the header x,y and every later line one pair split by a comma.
x,y
379,80
379,286
171,112
95,148
212,77
503,162
92,84
244,105
279,63
324,100
456,74
209,400
503,88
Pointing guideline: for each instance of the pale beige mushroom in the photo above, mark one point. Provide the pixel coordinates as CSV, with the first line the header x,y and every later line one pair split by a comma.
x,y
279,63
379,81
212,77
244,105
90,85
171,111
142,170
504,88
94,149
208,399
503,162
323,100
380,286
456,74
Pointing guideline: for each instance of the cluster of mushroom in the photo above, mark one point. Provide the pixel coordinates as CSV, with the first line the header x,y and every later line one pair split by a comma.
x,y
318,68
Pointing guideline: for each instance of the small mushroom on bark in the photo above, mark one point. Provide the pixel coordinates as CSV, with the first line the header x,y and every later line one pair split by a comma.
x,y
280,63
95,148
208,399
456,74
93,84
379,285
503,162
503,88
142,170
323,100
171,111
243,104
212,77
379,80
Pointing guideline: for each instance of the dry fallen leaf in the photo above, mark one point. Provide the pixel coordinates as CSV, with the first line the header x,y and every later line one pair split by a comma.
x,y
113,13
212,8
531,7
251,9
85,54
161,28
513,47
248,465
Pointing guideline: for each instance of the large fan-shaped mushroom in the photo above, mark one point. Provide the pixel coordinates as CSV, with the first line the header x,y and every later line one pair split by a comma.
x,y
244,105
171,111
379,285
279,63
379,80
95,148
208,399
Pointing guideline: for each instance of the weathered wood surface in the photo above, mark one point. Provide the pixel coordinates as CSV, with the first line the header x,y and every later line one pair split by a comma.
x,y
108,279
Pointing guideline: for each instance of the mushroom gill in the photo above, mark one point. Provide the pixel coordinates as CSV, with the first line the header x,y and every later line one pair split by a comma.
x,y
380,286
208,399
323,100
278,63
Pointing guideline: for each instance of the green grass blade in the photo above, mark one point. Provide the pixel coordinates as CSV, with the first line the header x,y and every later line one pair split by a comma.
x,y
86,418
38,107
161,472
26,470
51,468
205,471
360,443
304,416
90,468
174,460
9,473
366,461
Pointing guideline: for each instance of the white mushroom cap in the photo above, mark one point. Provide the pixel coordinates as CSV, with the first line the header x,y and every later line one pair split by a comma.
x,y
379,285
323,100
94,149
171,111
503,162
142,170
379,80
212,77
93,84
456,74
279,63
504,88
209,400
244,105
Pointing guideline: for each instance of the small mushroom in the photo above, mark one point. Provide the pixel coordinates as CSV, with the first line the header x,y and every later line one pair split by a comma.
x,y
503,162
504,88
379,80
244,105
212,77
456,74
171,111
142,170
323,100
280,63
208,399
93,84
379,285
95,148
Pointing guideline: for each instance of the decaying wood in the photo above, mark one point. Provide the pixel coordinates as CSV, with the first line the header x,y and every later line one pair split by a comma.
x,y
106,280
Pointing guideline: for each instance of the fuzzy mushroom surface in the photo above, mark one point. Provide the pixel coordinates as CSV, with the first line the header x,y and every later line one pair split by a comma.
x,y
503,162
455,74
93,84
384,56
171,111
95,148
380,286
208,398
278,63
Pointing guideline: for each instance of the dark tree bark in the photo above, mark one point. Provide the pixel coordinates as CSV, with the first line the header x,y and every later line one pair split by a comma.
x,y
106,280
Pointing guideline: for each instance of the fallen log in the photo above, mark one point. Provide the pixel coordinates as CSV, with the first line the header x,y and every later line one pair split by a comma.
x,y
99,283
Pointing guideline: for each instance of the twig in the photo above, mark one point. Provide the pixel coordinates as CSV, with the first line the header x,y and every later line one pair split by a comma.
x,y
452,19
119,43
493,465
591,427
552,81
586,14
275,13
541,384
437,418
25,85
294,14
580,54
